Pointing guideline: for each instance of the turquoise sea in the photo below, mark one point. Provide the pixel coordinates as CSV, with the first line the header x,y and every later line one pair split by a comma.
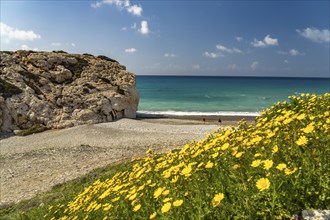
x,y
197,95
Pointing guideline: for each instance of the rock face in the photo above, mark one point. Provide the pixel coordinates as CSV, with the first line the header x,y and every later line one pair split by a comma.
x,y
58,90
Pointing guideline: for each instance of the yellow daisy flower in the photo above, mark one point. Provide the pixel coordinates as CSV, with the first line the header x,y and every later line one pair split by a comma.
x,y
209,165
302,141
263,184
281,166
153,215
309,128
217,199
166,207
268,164
177,203
137,208
256,163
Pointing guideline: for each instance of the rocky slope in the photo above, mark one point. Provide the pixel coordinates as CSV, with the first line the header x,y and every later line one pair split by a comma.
x,y
58,90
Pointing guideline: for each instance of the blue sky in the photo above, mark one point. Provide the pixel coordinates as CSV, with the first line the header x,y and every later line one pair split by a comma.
x,y
222,38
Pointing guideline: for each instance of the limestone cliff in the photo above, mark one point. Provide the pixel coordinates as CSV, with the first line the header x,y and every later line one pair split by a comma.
x,y
58,90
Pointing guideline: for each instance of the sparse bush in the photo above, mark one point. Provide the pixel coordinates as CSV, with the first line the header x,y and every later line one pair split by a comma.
x,y
107,58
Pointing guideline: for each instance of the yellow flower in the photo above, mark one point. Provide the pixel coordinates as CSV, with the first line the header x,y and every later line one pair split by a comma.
x,y
158,192
166,207
263,184
186,171
256,163
209,165
137,207
236,166
217,199
309,128
281,166
302,141
225,146
271,134
257,155
289,172
153,215
287,121
167,200
275,149
239,154
115,199
177,203
301,116
268,164
132,197
174,179
215,155
166,192
107,207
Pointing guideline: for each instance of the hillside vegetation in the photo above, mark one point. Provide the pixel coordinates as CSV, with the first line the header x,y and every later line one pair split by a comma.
x,y
273,169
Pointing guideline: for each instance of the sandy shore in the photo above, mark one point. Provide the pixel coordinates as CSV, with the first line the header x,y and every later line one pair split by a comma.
x,y
33,164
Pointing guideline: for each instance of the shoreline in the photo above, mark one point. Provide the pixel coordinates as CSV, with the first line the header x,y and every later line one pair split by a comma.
x,y
226,120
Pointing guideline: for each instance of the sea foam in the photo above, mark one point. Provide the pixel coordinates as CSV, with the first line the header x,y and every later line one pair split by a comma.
x,y
181,113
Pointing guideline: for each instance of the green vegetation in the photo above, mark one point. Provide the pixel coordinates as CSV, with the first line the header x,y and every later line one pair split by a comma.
x,y
270,170
107,58
7,52
34,129
59,51
7,89
87,54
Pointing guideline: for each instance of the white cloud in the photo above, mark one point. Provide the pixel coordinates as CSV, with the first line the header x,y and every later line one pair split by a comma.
x,y
144,28
315,35
286,61
239,39
223,48
124,28
171,55
254,65
26,47
212,55
56,44
135,10
228,50
120,4
130,50
292,52
73,44
267,41
270,41
9,33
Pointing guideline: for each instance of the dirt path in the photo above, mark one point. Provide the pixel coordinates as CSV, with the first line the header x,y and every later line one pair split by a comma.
x,y
33,164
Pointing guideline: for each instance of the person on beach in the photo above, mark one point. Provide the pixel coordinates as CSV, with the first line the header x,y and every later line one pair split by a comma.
x,y
219,121
204,120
